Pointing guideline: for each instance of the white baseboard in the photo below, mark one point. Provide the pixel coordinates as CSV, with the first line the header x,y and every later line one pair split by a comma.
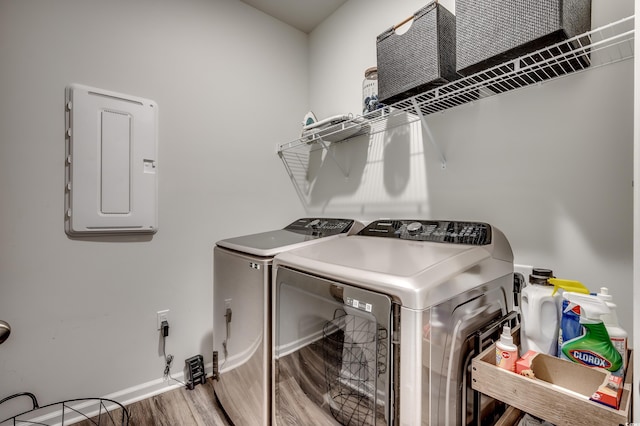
x,y
152,388
125,397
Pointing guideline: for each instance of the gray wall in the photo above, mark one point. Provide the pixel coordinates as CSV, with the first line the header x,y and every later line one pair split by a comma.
x,y
550,165
230,83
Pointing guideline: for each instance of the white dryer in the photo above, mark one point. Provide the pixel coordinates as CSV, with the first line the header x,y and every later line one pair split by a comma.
x,y
242,314
379,328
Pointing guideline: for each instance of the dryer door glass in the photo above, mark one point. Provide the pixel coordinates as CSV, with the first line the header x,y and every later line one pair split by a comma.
x,y
331,352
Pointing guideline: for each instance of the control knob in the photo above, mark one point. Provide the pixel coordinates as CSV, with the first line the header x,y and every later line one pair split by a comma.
x,y
414,227
314,223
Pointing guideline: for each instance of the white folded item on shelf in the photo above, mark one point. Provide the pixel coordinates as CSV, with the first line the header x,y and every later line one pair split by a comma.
x,y
332,129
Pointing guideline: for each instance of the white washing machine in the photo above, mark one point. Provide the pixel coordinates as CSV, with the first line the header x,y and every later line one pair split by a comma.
x,y
241,312
379,328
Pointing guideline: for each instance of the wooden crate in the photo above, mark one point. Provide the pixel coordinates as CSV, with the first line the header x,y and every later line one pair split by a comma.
x,y
543,400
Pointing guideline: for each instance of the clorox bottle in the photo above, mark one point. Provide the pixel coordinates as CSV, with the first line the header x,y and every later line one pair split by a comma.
x,y
541,310
570,326
594,348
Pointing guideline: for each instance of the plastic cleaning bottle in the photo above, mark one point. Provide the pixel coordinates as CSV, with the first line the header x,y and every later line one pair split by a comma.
x,y
594,348
539,313
570,326
541,310
506,350
618,335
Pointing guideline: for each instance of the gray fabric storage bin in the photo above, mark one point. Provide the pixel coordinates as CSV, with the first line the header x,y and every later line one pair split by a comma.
x,y
489,32
420,59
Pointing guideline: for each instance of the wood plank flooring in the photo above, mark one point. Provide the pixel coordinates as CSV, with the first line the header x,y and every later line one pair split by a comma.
x,y
301,395
179,407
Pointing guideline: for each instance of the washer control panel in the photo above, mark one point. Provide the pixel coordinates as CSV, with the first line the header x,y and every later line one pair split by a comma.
x,y
440,231
320,226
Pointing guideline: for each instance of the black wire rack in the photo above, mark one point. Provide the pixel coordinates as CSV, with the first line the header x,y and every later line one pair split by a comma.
x,y
84,411
354,356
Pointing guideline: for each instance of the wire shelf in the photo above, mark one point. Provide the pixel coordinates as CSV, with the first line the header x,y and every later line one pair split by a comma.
x,y
605,45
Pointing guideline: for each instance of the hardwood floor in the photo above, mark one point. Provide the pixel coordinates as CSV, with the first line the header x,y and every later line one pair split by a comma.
x,y
179,407
301,394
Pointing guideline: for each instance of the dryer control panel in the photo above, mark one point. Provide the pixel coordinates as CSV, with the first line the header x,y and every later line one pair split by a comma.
x,y
322,227
441,231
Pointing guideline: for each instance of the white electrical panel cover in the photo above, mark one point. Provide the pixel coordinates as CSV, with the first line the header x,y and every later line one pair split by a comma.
x,y
111,163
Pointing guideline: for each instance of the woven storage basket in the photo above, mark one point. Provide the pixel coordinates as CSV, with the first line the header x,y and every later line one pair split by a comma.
x,y
421,58
489,32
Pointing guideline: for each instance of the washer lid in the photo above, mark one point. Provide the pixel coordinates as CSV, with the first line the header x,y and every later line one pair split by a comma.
x,y
417,273
297,234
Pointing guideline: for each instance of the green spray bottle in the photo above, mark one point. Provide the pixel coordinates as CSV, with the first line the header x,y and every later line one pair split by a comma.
x,y
594,348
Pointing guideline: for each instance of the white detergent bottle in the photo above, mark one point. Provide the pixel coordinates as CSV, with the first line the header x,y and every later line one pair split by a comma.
x,y
618,335
540,314
542,310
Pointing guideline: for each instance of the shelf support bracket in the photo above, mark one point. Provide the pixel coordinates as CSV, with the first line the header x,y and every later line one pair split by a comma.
x,y
326,148
425,126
